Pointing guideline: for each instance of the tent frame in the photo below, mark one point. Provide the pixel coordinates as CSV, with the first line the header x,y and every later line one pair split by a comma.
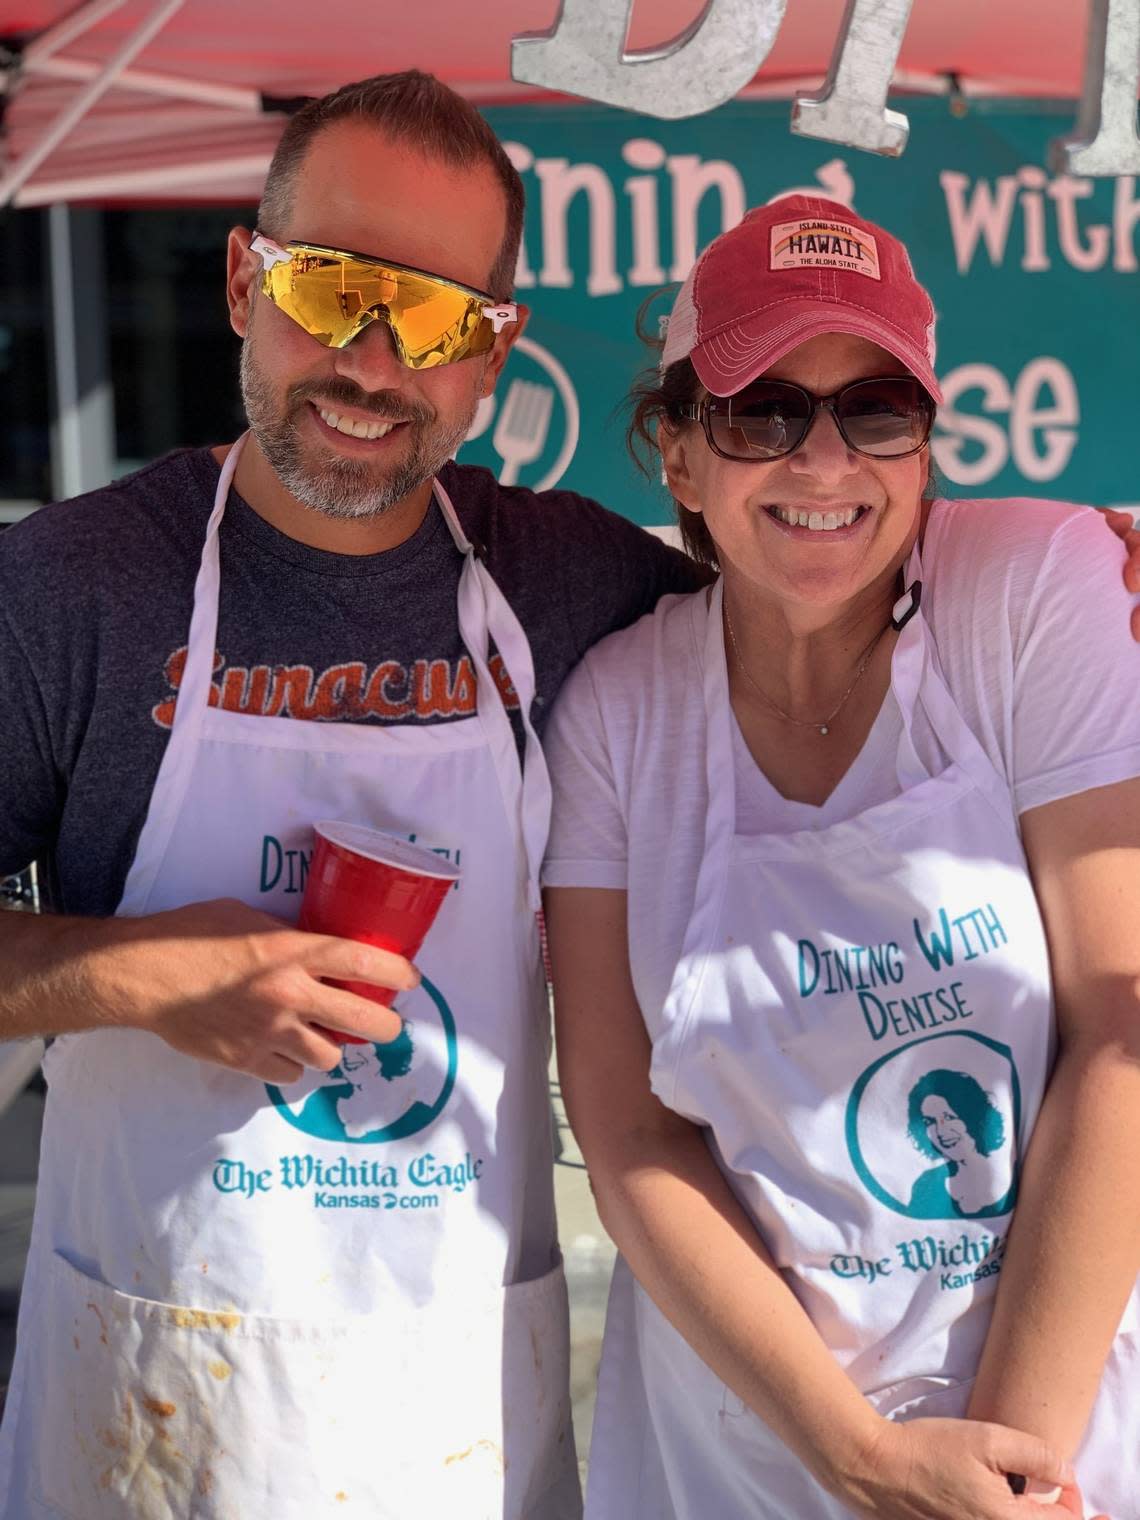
x,y
48,44
46,58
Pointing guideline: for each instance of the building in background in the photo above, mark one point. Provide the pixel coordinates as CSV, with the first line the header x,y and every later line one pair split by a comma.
x,y
114,344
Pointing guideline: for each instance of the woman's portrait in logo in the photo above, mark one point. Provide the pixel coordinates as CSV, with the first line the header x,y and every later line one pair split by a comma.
x,y
380,1093
956,1098
954,1121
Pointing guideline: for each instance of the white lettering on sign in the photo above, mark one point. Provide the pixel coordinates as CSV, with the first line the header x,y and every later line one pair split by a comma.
x,y
1027,216
566,191
1083,248
703,67
644,154
561,181
584,54
852,107
1039,434
1104,141
985,213
693,178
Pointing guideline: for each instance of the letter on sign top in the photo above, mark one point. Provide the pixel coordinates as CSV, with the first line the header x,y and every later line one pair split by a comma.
x,y
853,106
1105,141
584,54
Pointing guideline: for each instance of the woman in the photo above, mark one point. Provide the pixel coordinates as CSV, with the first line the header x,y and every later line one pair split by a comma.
x,y
868,752
953,1121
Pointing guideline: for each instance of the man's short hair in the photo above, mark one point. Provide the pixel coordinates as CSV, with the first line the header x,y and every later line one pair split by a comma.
x,y
411,107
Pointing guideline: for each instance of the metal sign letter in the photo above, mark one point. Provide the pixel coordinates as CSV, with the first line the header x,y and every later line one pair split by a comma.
x,y
853,106
1104,140
584,54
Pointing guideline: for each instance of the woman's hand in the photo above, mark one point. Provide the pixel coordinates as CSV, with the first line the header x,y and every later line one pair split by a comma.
x,y
1122,525
950,1470
1071,1503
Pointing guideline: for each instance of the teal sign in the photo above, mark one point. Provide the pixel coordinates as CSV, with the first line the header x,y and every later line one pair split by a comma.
x,y
1034,278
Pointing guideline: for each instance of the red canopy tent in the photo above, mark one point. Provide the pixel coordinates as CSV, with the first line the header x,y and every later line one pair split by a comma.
x,y
191,104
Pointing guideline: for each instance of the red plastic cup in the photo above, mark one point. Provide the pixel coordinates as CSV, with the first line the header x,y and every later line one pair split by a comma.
x,y
378,889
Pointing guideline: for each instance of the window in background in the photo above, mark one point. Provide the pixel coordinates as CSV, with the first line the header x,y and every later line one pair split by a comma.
x,y
174,357
25,431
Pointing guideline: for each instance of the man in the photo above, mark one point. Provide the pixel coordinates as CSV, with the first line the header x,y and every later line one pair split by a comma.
x,y
237,1301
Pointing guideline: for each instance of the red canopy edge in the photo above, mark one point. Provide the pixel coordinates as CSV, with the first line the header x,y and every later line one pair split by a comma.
x,y
184,118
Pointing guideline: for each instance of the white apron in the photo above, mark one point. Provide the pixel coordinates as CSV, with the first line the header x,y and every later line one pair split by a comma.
x,y
343,1296
861,1018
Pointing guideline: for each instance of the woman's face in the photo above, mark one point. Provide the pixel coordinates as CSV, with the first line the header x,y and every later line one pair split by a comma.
x,y
745,506
945,1131
355,1058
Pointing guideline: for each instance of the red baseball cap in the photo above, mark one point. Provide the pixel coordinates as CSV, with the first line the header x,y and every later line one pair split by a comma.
x,y
791,270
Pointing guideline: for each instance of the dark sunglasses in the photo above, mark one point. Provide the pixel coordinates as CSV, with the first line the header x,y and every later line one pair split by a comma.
x,y
886,418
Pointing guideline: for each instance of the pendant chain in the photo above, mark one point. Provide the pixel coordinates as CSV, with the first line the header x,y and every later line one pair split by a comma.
x,y
822,724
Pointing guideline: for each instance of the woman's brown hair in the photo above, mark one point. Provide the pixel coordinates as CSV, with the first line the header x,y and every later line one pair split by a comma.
x,y
655,398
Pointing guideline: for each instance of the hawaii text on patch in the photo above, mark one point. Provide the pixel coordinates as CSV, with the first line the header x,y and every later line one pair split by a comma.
x,y
812,243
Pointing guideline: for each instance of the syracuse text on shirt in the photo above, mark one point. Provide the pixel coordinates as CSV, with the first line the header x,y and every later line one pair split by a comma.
x,y
350,692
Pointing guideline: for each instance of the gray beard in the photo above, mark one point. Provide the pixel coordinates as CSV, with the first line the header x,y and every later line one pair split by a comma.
x,y
345,489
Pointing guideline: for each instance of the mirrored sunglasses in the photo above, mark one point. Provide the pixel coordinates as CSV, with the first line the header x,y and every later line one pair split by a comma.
x,y
886,418
335,295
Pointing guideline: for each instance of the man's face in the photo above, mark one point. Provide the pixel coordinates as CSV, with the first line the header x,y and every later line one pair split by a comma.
x,y
359,190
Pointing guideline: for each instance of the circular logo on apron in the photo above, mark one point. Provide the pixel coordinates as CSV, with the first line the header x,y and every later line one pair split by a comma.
x,y
932,1128
381,1092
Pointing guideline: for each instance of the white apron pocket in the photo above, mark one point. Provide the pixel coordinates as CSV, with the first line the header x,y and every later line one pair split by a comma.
x,y
539,1457
772,1484
913,1398
922,1398
178,1413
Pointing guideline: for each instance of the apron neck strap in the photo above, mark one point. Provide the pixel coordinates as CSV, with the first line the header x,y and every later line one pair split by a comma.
x,y
459,537
720,769
917,681
485,615
190,708
908,667
720,799
194,688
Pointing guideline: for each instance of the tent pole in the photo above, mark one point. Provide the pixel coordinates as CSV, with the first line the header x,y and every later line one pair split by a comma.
x,y
169,85
56,37
164,181
86,98
83,429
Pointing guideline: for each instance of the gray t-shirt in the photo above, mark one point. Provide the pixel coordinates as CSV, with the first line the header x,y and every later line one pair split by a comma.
x,y
95,602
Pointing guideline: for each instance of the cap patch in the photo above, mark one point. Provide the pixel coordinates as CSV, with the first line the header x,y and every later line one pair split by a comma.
x,y
815,243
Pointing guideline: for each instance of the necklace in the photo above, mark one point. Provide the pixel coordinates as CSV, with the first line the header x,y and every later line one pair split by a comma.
x,y
822,724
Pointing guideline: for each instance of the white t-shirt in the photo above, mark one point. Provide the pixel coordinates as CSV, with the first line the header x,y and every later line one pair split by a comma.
x,y
1030,618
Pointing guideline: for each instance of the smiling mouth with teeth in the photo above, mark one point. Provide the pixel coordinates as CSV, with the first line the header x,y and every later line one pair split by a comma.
x,y
818,522
354,429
